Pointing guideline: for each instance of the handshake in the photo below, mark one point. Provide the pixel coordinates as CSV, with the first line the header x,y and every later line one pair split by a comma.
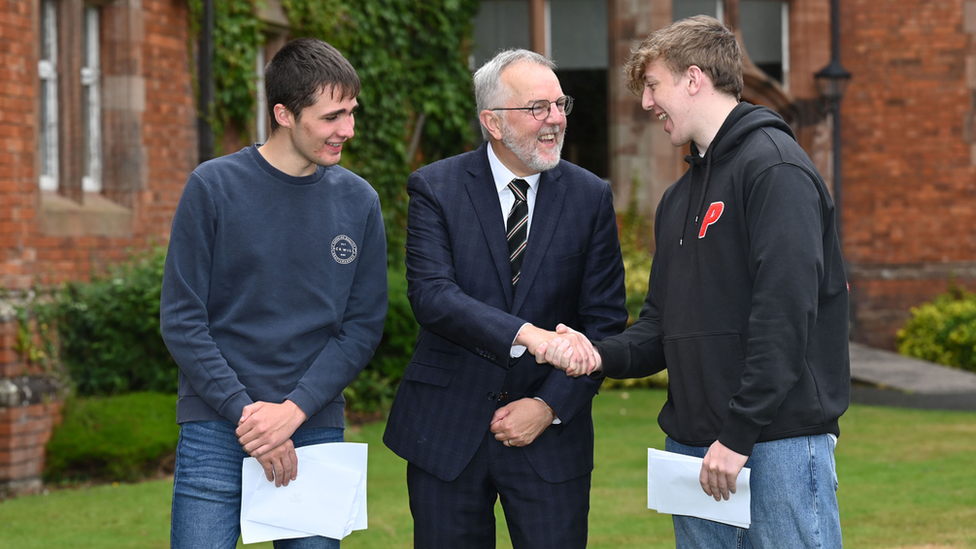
x,y
565,349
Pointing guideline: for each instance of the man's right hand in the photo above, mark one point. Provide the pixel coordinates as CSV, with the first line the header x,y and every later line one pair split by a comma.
x,y
280,464
570,351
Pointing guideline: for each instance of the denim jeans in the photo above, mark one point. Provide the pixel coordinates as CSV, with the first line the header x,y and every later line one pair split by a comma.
x,y
207,487
794,501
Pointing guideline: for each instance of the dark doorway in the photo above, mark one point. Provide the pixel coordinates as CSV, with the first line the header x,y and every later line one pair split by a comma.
x,y
587,142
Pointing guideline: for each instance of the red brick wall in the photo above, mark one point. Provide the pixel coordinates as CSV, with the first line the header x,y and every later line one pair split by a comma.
x,y
169,150
24,431
170,125
909,177
18,183
883,306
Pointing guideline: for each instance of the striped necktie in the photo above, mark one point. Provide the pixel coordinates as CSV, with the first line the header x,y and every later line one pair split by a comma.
x,y
518,227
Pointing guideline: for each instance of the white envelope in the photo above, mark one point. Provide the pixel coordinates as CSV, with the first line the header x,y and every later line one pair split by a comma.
x,y
328,498
673,488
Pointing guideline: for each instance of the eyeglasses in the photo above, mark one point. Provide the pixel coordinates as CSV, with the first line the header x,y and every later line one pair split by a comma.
x,y
540,109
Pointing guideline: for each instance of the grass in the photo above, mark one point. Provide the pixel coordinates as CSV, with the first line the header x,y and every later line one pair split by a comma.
x,y
906,481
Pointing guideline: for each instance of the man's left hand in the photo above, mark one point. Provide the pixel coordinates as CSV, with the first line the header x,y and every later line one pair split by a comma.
x,y
519,423
719,470
265,426
280,464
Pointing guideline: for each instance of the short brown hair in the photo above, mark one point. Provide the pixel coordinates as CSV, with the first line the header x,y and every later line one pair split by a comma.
x,y
702,41
302,69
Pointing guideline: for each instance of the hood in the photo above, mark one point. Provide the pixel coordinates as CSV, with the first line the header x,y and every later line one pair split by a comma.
x,y
744,119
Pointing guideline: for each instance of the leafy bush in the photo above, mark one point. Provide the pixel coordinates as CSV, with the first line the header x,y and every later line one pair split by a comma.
x,y
109,330
634,231
110,342
374,388
119,438
637,272
943,331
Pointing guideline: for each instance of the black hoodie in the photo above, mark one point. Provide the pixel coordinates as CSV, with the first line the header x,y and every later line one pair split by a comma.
x,y
747,305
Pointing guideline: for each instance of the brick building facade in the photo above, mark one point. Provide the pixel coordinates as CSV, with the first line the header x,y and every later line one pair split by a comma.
x,y
63,216
909,136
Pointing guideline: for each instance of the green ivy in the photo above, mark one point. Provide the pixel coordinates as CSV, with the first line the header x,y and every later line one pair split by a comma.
x,y
412,58
236,39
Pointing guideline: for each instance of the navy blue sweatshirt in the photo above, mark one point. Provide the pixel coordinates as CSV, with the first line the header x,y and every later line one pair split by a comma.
x,y
747,305
274,288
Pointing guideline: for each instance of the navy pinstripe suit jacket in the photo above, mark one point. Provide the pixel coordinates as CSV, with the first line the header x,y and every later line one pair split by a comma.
x,y
459,276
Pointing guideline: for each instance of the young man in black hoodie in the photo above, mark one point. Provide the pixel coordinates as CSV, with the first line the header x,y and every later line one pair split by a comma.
x,y
747,305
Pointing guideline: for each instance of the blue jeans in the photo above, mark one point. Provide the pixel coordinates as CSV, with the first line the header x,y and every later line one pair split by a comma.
x,y
207,487
794,501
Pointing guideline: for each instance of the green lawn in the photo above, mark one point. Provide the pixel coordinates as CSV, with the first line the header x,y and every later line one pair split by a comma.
x,y
906,481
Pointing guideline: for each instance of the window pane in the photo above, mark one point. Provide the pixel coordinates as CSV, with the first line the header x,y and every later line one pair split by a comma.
x,y
761,23
681,9
500,24
47,72
261,116
572,49
91,105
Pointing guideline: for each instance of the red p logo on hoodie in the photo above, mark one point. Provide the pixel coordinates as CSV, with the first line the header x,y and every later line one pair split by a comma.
x,y
711,216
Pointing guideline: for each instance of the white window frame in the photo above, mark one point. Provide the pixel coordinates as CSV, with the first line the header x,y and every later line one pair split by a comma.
x,y
91,181
785,25
261,117
47,70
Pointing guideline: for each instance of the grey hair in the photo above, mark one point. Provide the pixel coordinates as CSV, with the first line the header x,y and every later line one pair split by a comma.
x,y
488,87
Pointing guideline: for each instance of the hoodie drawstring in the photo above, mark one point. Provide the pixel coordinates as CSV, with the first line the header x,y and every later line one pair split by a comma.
x,y
701,200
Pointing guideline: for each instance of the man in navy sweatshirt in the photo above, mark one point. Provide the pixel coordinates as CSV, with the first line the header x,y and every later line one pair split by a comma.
x,y
747,305
274,295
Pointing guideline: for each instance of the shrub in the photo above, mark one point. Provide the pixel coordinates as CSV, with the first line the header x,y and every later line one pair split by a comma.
x,y
943,331
373,389
637,272
634,229
109,330
119,438
110,342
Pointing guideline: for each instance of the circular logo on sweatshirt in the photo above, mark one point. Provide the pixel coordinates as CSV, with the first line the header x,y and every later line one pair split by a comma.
x,y
343,249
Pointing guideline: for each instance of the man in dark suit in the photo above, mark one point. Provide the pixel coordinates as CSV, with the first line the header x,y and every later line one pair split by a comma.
x,y
503,244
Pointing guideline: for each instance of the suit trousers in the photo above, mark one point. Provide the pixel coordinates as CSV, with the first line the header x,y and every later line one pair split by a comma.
x,y
461,513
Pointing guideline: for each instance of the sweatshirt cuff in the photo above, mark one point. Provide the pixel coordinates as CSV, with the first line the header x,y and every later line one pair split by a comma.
x,y
739,434
304,400
233,407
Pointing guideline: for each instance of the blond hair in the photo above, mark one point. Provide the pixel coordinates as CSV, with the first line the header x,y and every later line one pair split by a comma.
x,y
702,41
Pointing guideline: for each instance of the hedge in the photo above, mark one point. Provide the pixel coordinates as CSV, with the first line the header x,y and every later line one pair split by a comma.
x,y
943,330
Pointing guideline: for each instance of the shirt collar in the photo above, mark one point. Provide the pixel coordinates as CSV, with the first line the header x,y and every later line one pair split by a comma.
x,y
503,176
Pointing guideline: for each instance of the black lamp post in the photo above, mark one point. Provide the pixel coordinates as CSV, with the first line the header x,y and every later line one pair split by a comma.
x,y
832,82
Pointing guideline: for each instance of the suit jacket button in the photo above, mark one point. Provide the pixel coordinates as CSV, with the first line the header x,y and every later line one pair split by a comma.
x,y
491,395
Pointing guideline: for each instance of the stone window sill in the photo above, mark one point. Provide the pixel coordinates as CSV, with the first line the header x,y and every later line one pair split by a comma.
x,y
94,216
